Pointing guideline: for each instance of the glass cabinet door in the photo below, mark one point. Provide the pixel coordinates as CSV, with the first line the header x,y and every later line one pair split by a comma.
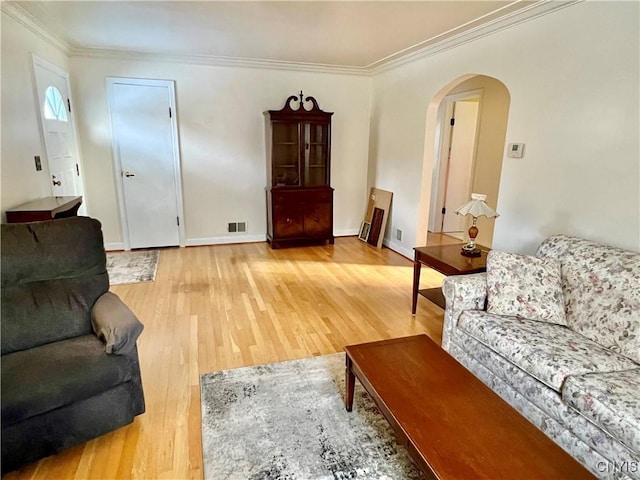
x,y
286,154
315,154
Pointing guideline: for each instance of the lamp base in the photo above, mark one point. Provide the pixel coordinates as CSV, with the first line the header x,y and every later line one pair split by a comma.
x,y
470,251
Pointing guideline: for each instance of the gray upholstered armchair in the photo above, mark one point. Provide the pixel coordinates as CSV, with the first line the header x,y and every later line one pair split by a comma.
x,y
69,361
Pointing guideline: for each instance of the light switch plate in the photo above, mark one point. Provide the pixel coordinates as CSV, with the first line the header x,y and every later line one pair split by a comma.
x,y
516,150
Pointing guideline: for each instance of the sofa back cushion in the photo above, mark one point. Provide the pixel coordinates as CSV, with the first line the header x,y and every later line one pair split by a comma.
x,y
525,286
601,286
52,274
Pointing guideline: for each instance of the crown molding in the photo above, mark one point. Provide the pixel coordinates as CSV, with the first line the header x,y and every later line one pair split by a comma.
x,y
412,54
420,51
16,12
217,61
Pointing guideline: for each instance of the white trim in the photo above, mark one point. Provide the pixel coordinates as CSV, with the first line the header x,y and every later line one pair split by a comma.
x,y
193,242
24,18
398,248
417,52
49,66
117,170
349,232
196,242
217,61
177,165
113,246
446,108
117,165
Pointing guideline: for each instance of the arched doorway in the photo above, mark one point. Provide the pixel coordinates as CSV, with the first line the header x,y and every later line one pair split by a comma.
x,y
488,150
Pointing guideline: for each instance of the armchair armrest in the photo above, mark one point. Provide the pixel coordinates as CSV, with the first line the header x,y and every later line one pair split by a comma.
x,y
461,292
115,324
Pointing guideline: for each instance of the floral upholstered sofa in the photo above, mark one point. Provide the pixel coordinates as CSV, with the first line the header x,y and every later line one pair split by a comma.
x,y
558,337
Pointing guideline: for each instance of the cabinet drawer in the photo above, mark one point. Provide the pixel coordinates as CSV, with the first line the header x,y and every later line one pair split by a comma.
x,y
318,196
290,197
288,221
317,219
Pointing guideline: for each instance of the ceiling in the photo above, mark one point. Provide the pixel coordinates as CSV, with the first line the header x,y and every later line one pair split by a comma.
x,y
359,34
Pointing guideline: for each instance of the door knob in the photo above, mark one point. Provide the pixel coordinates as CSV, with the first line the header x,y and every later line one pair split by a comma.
x,y
56,182
129,174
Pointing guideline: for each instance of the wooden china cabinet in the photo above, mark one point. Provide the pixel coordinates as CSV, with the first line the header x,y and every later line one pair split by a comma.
x,y
299,197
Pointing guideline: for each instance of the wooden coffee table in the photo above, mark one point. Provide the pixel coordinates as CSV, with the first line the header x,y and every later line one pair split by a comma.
x,y
447,260
453,425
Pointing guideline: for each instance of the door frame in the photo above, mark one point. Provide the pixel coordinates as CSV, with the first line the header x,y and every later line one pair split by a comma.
x,y
117,162
41,62
443,136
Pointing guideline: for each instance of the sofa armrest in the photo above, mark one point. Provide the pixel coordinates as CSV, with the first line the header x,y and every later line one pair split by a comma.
x,y
115,324
461,292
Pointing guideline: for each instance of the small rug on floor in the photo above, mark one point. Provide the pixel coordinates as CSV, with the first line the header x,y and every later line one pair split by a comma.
x,y
132,267
288,421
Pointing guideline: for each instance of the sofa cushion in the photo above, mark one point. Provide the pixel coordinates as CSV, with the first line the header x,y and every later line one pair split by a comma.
x,y
524,286
601,287
57,374
546,351
610,400
581,438
539,403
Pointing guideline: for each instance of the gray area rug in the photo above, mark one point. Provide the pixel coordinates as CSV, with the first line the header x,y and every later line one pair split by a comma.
x,y
132,267
287,421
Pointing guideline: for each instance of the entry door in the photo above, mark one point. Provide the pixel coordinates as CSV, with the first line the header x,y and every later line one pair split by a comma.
x,y
57,128
460,164
147,163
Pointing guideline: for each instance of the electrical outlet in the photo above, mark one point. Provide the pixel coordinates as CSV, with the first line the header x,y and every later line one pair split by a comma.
x,y
398,234
242,227
38,163
233,227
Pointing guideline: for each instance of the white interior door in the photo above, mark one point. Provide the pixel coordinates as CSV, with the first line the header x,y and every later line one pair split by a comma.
x,y
52,86
459,167
147,161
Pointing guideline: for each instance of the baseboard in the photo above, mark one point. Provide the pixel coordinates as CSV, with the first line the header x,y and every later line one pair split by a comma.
x,y
110,247
195,242
398,248
346,233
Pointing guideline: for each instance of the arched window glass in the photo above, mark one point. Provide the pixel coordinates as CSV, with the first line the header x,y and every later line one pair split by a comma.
x,y
54,107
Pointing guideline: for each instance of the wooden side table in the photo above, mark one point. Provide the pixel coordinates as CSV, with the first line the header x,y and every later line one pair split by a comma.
x,y
46,208
447,260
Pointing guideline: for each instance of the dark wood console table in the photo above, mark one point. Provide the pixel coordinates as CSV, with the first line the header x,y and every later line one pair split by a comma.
x,y
447,260
46,208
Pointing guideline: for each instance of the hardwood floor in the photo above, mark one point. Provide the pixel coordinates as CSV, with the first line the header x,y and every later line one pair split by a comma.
x,y
228,306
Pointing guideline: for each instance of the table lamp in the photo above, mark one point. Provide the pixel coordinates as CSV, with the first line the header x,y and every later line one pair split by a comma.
x,y
476,208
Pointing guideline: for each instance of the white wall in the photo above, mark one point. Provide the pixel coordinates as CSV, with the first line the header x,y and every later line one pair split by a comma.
x,y
573,78
222,138
21,134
